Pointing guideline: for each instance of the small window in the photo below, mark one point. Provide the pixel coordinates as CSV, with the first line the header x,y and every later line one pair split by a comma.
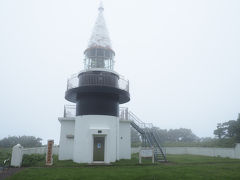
x,y
107,54
69,136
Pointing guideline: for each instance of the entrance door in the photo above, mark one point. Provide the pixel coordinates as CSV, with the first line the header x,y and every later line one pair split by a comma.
x,y
98,148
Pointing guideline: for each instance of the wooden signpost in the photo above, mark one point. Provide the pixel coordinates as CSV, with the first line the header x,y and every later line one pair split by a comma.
x,y
49,153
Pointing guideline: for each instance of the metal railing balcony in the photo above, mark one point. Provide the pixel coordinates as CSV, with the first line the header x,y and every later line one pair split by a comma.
x,y
69,111
125,114
96,79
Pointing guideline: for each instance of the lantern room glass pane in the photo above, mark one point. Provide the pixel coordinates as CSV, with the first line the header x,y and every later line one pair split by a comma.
x,y
99,58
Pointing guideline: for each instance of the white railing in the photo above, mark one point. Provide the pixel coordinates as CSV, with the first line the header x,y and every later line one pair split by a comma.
x,y
69,111
97,80
125,114
72,82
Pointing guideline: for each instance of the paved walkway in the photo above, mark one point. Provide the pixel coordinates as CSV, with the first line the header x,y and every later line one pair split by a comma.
x,y
9,172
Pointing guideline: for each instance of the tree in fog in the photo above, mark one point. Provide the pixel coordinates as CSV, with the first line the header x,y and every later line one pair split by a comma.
x,y
172,135
229,130
135,137
25,141
181,135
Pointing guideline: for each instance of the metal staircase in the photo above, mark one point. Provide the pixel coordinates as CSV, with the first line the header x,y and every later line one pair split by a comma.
x,y
149,134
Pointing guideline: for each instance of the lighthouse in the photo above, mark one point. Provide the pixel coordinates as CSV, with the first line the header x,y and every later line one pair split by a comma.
x,y
91,130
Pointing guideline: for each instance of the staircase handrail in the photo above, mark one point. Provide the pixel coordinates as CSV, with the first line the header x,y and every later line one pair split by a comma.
x,y
138,121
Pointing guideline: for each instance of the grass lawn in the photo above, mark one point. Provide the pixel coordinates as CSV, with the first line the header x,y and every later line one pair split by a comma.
x,y
178,167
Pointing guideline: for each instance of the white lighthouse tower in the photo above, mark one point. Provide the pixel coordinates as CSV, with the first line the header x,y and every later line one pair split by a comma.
x,y
95,133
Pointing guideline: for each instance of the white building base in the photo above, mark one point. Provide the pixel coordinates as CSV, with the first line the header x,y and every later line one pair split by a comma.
x,y
77,138
86,127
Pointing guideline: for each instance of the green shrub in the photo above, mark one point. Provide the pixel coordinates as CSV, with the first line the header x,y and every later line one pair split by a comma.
x,y
5,153
33,160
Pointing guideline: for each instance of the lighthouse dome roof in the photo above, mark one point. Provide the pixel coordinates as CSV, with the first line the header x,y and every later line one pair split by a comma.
x,y
100,35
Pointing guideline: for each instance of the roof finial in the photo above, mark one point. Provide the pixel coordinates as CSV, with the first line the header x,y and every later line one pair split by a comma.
x,y
101,9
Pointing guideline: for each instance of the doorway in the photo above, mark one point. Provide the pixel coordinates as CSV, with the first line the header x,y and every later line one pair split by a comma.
x,y
98,148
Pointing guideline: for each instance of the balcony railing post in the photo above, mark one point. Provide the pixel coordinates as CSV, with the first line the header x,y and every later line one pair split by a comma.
x,y
67,84
126,114
64,112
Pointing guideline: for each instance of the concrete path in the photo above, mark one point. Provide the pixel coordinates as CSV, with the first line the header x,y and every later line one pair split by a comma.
x,y
9,172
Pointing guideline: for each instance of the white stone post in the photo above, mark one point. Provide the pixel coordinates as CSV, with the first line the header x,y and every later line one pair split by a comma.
x,y
153,155
16,160
237,151
140,157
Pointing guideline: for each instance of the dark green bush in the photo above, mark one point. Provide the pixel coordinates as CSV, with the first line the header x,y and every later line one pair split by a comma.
x,y
33,160
5,153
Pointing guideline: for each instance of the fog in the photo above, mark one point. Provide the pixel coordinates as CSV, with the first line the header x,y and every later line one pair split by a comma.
x,y
182,59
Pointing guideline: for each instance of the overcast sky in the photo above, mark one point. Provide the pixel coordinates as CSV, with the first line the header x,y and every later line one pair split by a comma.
x,y
182,59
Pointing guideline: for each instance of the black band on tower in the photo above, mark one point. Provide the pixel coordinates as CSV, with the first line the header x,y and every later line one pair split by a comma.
x,y
97,104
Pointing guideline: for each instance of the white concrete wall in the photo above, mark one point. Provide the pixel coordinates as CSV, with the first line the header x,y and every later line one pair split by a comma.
x,y
18,152
124,140
86,127
135,150
205,151
222,152
39,150
65,143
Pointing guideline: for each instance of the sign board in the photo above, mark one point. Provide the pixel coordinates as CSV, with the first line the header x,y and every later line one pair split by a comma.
x,y
146,153
49,153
